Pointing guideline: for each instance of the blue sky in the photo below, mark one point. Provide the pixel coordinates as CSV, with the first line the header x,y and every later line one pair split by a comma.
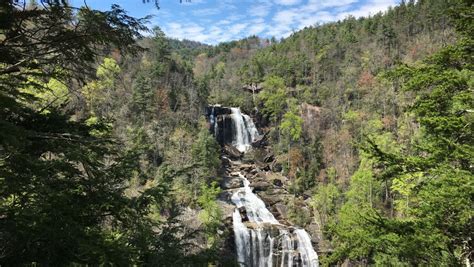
x,y
214,21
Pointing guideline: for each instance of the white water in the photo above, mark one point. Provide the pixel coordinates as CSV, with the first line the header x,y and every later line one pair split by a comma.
x,y
264,241
245,130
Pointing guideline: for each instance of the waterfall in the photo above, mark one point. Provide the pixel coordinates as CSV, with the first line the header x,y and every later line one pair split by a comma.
x,y
213,121
230,126
261,240
244,132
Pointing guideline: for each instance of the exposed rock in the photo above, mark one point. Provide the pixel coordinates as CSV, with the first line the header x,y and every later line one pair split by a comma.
x,y
269,199
254,171
260,185
262,166
226,162
188,216
246,167
232,152
243,214
227,210
311,116
261,142
218,110
231,183
282,210
269,158
223,129
226,196
235,174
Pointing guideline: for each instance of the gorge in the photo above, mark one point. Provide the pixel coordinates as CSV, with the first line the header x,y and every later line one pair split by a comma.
x,y
260,239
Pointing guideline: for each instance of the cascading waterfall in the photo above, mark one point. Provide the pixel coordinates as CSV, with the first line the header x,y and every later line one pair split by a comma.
x,y
237,129
260,239
244,132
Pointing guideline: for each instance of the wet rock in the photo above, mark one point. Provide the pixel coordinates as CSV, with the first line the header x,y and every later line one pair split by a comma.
x,y
226,196
226,162
243,214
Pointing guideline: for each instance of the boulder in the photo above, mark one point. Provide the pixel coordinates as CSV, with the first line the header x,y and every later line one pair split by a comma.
x,y
235,174
254,171
247,167
231,183
281,209
270,200
232,152
226,196
243,214
260,185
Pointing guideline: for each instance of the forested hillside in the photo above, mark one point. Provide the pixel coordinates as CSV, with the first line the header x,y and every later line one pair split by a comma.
x,y
107,156
97,148
372,118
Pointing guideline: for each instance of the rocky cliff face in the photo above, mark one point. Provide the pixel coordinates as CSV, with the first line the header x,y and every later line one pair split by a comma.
x,y
220,122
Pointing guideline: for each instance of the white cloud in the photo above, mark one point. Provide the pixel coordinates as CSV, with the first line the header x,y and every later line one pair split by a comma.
x,y
279,18
257,27
261,10
286,17
287,2
237,28
206,11
370,8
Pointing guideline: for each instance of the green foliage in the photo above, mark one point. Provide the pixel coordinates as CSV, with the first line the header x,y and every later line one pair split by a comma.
x,y
326,200
364,189
98,93
67,159
205,153
431,183
291,125
211,214
273,97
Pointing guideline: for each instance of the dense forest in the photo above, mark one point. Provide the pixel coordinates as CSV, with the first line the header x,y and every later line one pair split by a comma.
x,y
106,156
